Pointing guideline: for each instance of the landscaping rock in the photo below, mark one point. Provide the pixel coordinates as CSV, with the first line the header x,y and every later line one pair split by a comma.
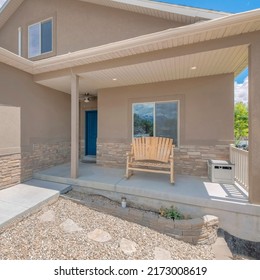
x,y
161,254
70,226
127,246
99,235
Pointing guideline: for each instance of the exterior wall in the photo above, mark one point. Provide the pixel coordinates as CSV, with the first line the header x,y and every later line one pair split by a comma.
x,y
78,25
45,120
205,132
10,146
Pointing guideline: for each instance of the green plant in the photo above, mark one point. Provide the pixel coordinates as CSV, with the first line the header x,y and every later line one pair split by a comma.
x,y
241,121
171,213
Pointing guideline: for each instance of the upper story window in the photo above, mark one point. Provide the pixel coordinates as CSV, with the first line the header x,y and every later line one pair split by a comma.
x,y
40,38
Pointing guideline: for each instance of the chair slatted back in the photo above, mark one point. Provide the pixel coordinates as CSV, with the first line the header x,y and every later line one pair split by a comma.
x,y
152,148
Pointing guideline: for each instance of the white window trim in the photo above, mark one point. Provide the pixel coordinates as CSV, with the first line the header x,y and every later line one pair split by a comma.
x,y
20,41
154,102
52,45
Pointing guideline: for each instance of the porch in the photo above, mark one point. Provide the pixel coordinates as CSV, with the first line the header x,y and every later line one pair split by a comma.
x,y
194,65
195,196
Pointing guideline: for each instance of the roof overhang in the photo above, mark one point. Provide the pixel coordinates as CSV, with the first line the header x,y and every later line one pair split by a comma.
x,y
182,14
172,38
8,9
140,59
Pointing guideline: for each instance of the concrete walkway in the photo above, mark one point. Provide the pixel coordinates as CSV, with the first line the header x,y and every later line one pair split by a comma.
x,y
18,201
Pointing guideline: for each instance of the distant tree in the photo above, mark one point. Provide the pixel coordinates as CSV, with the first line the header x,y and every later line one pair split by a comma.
x,y
241,121
142,126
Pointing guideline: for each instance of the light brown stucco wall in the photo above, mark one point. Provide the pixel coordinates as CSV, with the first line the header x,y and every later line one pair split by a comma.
x,y
206,120
10,130
206,109
45,119
78,25
45,113
10,146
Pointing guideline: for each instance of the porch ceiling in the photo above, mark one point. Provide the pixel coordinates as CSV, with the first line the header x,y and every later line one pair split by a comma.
x,y
221,61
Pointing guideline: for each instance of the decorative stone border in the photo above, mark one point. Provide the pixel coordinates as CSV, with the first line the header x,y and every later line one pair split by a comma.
x,y
195,231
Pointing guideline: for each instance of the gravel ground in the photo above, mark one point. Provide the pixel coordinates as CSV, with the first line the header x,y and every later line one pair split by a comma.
x,y
33,238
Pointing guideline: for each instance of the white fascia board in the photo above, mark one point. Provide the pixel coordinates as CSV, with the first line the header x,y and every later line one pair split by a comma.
x,y
7,10
4,5
16,61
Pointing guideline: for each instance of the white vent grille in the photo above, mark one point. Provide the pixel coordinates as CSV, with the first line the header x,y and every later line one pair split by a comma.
x,y
221,171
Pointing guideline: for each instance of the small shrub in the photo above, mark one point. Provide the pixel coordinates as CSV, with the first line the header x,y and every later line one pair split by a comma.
x,y
171,213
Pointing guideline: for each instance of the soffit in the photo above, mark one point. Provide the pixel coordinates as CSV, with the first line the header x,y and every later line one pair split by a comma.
x,y
222,61
182,14
230,60
177,37
8,9
187,35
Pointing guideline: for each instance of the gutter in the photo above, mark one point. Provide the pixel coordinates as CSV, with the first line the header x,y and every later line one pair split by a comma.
x,y
16,61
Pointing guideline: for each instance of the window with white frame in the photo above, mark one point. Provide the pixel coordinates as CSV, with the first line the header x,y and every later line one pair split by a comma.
x,y
159,119
40,38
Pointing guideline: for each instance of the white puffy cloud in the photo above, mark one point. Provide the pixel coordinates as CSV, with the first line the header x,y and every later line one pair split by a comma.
x,y
241,91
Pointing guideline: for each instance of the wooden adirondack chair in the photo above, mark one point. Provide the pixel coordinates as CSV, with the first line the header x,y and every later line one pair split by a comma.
x,y
151,154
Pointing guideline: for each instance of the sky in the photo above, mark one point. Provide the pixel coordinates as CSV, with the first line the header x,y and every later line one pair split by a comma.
x,y
231,6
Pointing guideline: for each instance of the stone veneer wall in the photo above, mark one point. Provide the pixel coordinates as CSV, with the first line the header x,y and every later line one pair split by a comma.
x,y
188,160
10,170
192,160
43,156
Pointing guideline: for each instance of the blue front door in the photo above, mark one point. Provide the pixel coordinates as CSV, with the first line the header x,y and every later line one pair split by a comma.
x,y
91,133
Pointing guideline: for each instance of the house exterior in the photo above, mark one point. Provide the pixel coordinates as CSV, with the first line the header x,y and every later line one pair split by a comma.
x,y
151,69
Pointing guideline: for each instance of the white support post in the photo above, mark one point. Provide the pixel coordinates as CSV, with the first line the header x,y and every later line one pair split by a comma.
x,y
74,126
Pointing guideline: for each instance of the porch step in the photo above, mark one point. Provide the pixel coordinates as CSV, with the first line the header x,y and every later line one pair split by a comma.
x,y
23,199
89,159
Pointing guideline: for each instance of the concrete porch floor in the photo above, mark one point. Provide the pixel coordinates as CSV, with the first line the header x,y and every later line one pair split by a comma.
x,y
192,195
